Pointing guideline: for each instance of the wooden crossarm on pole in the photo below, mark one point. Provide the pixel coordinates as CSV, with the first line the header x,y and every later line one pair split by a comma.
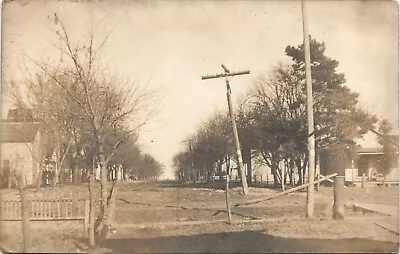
x,y
222,75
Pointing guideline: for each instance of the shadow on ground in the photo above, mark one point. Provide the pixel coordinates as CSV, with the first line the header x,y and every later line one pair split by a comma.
x,y
244,242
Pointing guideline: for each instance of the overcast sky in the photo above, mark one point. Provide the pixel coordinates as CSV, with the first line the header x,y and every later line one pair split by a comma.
x,y
173,43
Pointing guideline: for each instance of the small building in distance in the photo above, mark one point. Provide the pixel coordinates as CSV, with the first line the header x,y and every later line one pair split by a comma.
x,y
368,158
20,143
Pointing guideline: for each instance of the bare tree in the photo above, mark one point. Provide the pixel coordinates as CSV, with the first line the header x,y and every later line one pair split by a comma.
x,y
92,107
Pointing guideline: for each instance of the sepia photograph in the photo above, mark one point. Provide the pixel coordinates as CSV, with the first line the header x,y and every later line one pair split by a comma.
x,y
199,126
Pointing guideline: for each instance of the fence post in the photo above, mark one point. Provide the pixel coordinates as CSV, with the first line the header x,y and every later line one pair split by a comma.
x,y
86,220
58,208
13,209
32,209
78,205
19,210
3,211
41,209
37,208
71,211
65,207
267,180
50,206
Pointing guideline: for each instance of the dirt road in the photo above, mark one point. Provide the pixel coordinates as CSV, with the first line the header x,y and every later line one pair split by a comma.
x,y
155,217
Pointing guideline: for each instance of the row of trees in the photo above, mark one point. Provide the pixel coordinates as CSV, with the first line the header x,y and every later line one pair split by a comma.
x,y
207,150
88,116
137,165
272,122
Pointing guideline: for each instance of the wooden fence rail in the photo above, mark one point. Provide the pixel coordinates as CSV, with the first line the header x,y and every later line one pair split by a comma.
x,y
63,209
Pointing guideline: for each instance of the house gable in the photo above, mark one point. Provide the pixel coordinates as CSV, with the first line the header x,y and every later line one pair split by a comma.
x,y
19,144
18,132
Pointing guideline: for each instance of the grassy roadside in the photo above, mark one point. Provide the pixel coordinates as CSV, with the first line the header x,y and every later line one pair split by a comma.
x,y
141,203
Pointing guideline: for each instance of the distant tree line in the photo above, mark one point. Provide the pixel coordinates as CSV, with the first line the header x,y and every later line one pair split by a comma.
x,y
88,116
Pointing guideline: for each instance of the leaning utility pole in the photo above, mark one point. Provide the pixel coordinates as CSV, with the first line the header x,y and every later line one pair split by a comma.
x,y
310,116
226,75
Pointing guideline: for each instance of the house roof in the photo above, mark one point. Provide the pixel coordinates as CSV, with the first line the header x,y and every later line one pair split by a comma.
x,y
370,145
18,132
20,114
368,140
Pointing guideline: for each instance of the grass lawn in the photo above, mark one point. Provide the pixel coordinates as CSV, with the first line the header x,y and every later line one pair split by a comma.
x,y
165,217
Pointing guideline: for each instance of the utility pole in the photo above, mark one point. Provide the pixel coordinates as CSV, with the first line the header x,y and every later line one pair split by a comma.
x,y
310,116
227,75
192,175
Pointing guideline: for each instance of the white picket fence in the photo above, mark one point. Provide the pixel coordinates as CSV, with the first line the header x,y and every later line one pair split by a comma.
x,y
61,209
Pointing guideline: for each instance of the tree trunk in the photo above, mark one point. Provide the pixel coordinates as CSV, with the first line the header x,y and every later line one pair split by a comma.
x,y
291,172
286,172
276,180
57,166
247,160
111,205
275,172
103,179
209,173
107,203
304,169
100,222
62,175
299,171
221,178
75,173
228,207
25,212
109,215
40,169
92,241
